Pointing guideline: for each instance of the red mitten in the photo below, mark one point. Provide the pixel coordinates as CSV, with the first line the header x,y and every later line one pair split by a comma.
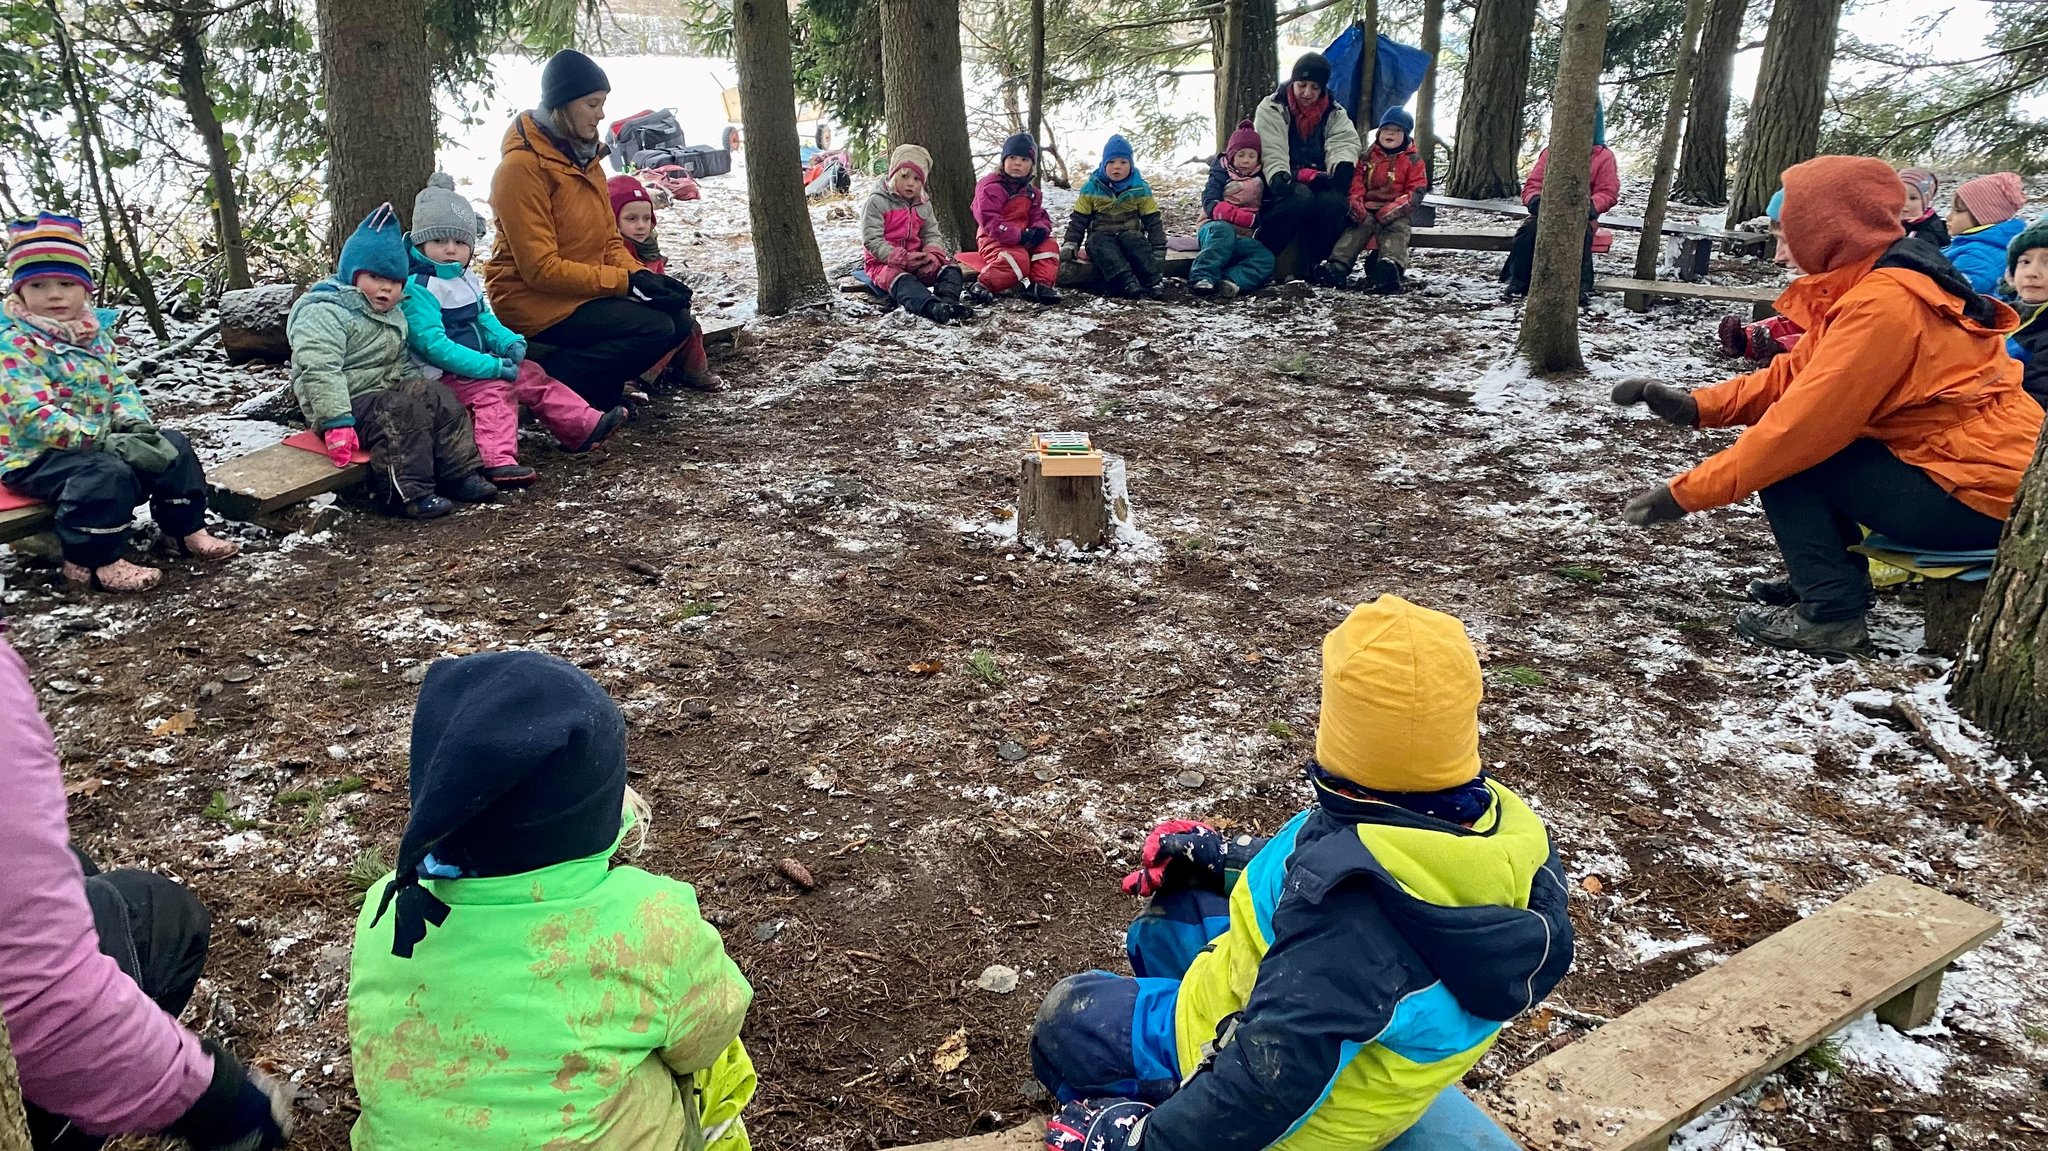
x,y
1359,211
903,258
1308,175
1160,853
341,445
1393,210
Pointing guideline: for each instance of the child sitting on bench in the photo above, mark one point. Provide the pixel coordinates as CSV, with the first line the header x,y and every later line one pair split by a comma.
x,y
1232,261
1984,217
904,257
73,430
1117,219
507,976
451,330
1390,176
1920,217
358,389
1762,339
633,209
1267,973
1012,231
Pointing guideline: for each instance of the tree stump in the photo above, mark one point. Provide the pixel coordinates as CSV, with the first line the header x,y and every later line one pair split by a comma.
x,y
1950,606
252,322
1049,508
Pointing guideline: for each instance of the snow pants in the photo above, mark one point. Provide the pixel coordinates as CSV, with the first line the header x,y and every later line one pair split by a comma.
x,y
1007,266
156,932
1124,261
418,437
1099,1034
606,342
494,409
94,494
1815,516
1521,261
916,296
1393,241
1229,255
1310,219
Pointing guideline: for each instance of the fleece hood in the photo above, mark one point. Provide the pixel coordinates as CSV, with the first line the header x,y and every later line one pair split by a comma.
x,y
1841,211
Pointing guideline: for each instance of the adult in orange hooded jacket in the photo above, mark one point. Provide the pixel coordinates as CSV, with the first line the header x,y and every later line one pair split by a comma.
x,y
1899,411
560,275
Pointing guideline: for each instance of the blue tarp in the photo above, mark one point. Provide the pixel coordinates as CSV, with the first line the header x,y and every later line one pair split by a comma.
x,y
1396,77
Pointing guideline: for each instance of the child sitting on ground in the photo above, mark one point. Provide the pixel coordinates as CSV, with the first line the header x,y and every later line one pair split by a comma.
x,y
1984,218
1231,261
452,332
1117,218
73,430
524,992
1383,190
1763,339
1014,235
1920,217
633,209
903,256
2026,277
1414,882
358,389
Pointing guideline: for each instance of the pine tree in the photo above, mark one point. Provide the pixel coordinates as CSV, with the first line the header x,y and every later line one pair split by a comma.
x,y
1245,39
1550,322
1489,143
786,259
927,105
1791,92
1703,157
2002,680
379,78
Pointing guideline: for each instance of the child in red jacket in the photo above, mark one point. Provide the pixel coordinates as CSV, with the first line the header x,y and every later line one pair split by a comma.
x,y
633,208
1389,180
1606,176
1013,232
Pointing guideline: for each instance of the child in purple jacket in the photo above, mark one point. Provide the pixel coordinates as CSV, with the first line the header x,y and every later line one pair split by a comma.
x,y
1014,233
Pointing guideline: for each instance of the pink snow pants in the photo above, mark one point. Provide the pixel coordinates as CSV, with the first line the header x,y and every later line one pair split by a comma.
x,y
494,409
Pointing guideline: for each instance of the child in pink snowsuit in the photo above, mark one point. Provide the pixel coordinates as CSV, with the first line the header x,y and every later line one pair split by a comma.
x,y
450,330
1014,233
903,254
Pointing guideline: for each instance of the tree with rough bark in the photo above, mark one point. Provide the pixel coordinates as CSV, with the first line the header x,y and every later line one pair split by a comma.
x,y
1484,161
378,74
13,1121
1667,147
1791,92
1245,45
2002,680
1703,156
927,105
786,259
1550,322
1431,43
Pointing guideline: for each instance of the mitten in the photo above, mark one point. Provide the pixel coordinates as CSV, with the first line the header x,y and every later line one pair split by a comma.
x,y
1307,175
1281,182
1655,506
900,258
131,424
516,352
1394,208
1179,853
1342,173
1675,405
1034,236
341,445
1109,1124
508,368
1359,211
650,288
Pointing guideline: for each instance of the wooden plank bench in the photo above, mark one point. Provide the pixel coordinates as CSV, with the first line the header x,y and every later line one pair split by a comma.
x,y
1631,1083
1695,241
19,523
1463,239
1636,294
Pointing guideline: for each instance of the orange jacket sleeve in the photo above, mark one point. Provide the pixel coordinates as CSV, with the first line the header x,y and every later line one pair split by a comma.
x,y
1802,409
526,224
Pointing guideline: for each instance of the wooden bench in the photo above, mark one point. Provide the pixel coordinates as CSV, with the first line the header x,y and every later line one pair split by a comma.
x,y
18,523
1631,1083
1636,294
1463,239
1695,241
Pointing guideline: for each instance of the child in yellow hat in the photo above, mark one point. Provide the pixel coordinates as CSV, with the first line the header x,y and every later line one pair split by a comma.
x,y
1325,990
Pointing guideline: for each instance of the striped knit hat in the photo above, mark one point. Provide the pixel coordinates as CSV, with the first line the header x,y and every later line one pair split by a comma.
x,y
49,245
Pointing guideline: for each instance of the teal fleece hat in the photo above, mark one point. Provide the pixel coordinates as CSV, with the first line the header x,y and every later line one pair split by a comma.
x,y
377,246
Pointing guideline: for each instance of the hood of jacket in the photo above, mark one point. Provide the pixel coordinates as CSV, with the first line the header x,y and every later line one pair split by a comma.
x,y
527,133
1952,296
422,266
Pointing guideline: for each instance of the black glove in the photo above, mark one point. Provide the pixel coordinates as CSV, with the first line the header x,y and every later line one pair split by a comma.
x,y
237,1112
1341,175
1034,236
1675,405
683,293
658,291
1281,182
1655,506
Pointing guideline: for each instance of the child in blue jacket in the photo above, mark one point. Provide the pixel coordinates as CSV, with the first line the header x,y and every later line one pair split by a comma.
x,y
1267,1017
2026,275
1984,219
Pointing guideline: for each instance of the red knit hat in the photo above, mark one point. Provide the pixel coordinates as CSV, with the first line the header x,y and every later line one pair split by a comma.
x,y
1992,199
1245,136
1841,210
625,190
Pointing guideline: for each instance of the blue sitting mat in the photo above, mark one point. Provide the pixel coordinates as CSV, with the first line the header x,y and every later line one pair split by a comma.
x,y
1979,562
1397,74
860,274
1454,1123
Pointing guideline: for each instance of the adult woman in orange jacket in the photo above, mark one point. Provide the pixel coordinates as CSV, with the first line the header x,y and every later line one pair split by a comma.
x,y
1899,411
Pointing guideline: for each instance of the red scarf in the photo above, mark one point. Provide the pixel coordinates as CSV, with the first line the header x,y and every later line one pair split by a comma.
x,y
1307,117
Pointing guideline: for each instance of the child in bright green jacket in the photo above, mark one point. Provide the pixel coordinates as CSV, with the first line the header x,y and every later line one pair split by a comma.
x,y
1116,218
557,1001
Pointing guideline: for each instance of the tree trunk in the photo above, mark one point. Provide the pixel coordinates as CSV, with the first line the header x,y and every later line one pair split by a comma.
x,y
927,103
1488,149
1365,116
1550,322
1247,54
2002,680
220,167
1037,76
1783,127
1703,170
378,77
13,1122
1682,69
786,259
1425,100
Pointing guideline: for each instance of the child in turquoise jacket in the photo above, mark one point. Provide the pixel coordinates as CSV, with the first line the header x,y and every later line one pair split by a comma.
x,y
510,988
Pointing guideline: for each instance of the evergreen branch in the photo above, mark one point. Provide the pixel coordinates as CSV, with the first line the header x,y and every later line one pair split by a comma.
x,y
1942,117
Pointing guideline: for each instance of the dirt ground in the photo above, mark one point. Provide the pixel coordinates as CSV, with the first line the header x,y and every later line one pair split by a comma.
x,y
808,598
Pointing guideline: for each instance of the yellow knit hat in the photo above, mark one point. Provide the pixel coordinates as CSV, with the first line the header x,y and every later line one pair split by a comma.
x,y
1401,690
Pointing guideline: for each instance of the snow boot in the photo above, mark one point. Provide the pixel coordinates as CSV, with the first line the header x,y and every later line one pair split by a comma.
x,y
511,476
940,312
1202,287
1228,289
1156,290
1128,286
691,368
471,489
607,423
1787,629
1330,274
1761,345
1386,277
1773,592
1043,293
428,507
1734,340
980,295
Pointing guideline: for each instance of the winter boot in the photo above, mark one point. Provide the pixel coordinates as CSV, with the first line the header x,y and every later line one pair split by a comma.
x,y
940,312
1761,345
1044,293
1774,592
1330,274
1734,340
1386,277
1156,290
428,507
1227,290
1202,287
980,295
1127,286
691,368
607,423
511,476
471,489
1787,629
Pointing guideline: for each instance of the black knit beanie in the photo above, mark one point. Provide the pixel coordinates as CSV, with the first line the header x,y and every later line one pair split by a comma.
x,y
1019,144
1312,66
518,763
569,76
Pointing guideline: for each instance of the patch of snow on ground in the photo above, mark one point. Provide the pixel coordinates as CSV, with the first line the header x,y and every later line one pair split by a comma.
x,y
1874,1047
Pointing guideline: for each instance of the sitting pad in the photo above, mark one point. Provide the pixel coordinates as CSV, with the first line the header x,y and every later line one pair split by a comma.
x,y
1968,566
310,441
11,499
1602,239
861,277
